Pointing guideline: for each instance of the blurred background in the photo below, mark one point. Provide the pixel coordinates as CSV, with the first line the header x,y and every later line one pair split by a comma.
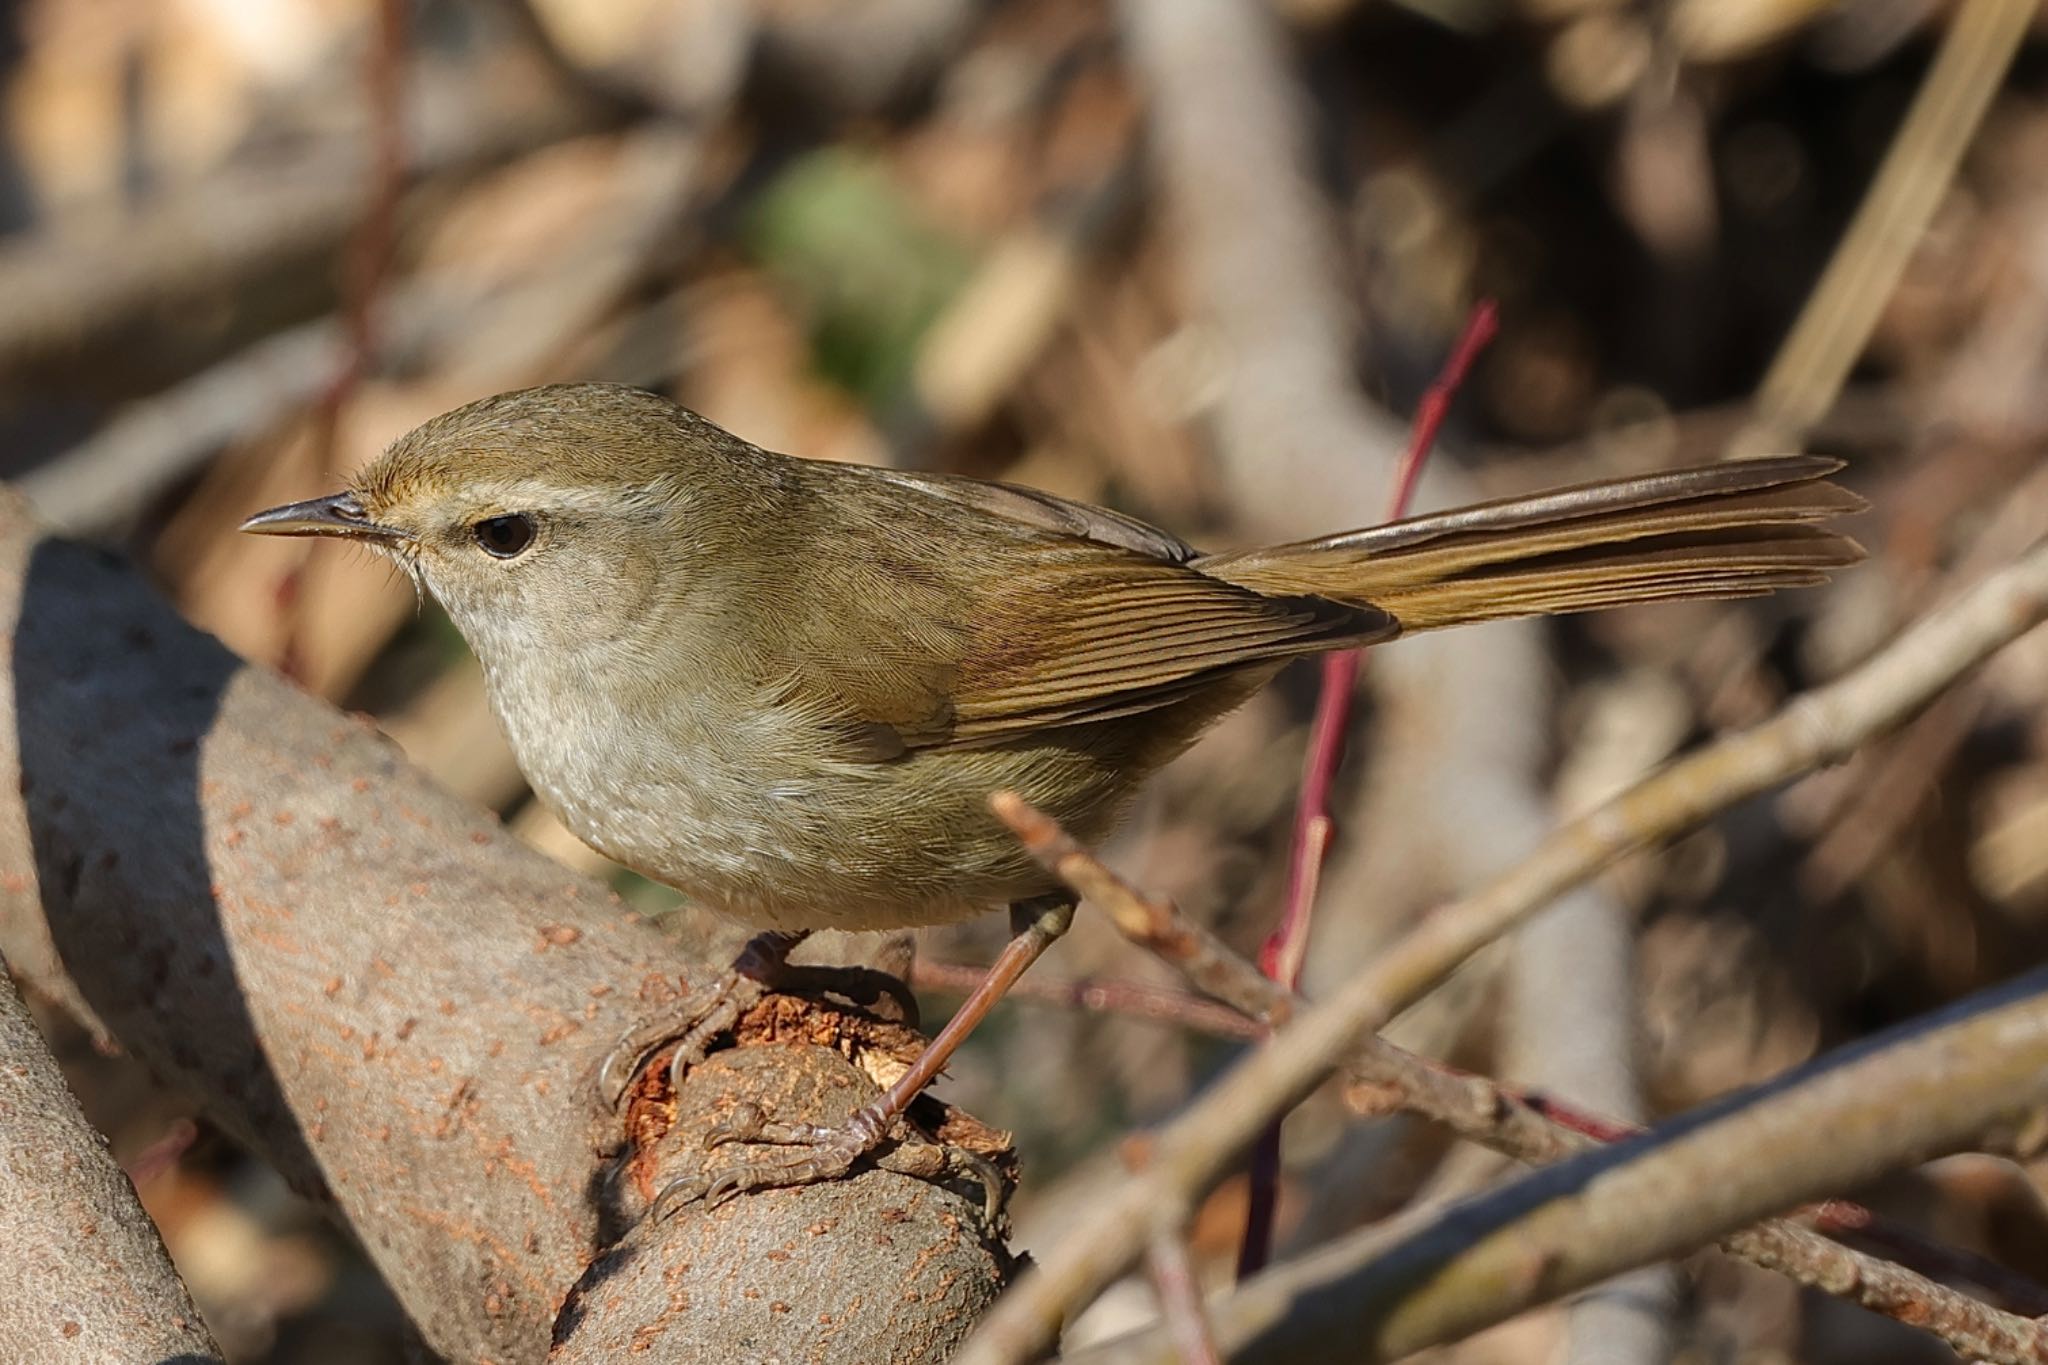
x,y
1195,259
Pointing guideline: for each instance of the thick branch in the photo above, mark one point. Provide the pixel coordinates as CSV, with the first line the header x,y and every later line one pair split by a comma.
x,y
84,1276
65,290
372,985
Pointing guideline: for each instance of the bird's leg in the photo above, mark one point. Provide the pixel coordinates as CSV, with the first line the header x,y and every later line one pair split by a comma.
x,y
825,1153
762,966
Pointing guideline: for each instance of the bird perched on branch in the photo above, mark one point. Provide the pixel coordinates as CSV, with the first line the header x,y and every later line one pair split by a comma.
x,y
788,688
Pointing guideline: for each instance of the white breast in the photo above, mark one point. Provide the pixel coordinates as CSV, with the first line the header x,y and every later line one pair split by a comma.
x,y
734,814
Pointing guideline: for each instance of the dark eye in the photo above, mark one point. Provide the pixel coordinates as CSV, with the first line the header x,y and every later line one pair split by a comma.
x,y
504,537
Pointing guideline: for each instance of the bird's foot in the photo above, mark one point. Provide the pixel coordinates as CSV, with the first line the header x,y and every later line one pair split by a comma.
x,y
696,1022
698,1019
692,1026
814,1153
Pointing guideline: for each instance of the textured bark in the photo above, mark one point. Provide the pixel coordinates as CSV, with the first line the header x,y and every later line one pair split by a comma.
x,y
747,1281
84,1276
375,987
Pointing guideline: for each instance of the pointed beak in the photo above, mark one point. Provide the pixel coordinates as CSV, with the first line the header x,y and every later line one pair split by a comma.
x,y
337,514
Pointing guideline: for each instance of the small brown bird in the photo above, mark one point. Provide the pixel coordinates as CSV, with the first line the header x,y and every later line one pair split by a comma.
x,y
789,687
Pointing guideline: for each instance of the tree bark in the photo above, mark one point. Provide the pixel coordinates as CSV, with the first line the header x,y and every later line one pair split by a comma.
x,y
84,1276
373,986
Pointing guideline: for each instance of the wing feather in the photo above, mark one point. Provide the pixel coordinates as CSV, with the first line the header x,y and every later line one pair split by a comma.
x,y
1093,616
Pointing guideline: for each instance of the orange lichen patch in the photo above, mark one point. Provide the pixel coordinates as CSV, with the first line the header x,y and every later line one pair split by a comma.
x,y
558,1031
276,942
796,1019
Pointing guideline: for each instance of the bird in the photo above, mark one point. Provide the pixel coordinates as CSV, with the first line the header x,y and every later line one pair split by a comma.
x,y
789,688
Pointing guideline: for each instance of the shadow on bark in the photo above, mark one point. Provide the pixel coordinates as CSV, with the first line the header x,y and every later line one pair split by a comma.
x,y
72,682
366,981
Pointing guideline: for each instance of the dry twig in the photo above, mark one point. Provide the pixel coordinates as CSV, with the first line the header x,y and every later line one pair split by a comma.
x,y
1287,946
1537,1129
1926,1089
1131,999
85,1275
1180,1300
1462,712
1837,319
1191,1154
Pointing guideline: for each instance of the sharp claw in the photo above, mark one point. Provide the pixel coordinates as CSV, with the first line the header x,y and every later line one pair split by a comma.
x,y
678,1192
829,1155
743,1124
723,1188
992,1191
691,1028
615,1074
611,1084
679,1064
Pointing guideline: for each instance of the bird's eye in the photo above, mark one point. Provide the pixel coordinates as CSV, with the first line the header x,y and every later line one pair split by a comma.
x,y
504,537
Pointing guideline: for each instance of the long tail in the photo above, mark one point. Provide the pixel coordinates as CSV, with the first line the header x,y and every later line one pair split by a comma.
x,y
1741,528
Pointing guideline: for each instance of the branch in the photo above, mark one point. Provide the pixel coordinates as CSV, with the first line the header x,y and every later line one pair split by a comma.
x,y
1532,1128
1131,999
1180,1300
1916,1092
67,290
366,981
1191,1154
85,1275
1835,324
1284,950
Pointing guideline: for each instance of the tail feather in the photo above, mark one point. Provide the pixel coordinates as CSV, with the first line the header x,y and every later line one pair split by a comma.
x,y
1738,529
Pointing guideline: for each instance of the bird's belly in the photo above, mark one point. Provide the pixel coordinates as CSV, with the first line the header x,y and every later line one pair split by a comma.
x,y
778,837
875,850
758,820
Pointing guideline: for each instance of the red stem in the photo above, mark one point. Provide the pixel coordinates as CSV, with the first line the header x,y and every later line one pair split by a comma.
x,y
1281,956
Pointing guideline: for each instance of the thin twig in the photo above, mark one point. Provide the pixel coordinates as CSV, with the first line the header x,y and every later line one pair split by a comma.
x,y
1180,1299
1152,922
1131,999
1901,776
1287,946
1191,1153
1261,269
1841,1218
1529,1126
1843,308
1282,955
1928,1087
